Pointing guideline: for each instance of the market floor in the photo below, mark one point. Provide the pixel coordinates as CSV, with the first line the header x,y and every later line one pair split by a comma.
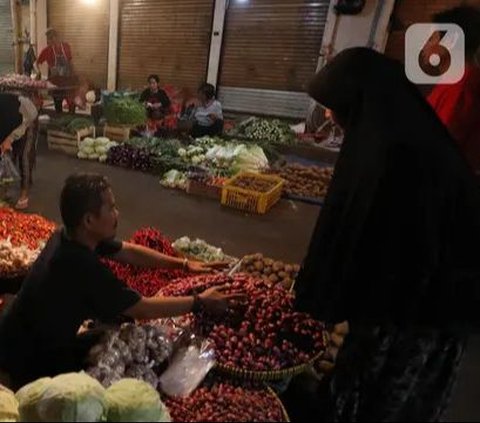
x,y
284,233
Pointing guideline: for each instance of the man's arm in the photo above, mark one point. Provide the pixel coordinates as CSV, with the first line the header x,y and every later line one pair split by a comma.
x,y
140,256
212,300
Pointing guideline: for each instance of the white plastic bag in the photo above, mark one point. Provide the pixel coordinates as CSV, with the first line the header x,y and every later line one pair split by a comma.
x,y
8,171
188,368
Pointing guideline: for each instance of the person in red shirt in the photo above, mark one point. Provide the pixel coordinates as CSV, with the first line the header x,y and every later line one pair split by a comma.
x,y
58,56
458,105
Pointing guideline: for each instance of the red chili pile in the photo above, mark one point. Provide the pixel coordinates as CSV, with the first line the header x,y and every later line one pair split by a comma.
x,y
28,230
147,281
225,402
264,333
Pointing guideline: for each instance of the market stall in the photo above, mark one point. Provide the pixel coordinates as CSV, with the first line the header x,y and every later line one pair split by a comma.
x,y
195,368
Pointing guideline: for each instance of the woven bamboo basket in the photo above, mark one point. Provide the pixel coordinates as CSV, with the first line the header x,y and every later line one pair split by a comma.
x,y
286,417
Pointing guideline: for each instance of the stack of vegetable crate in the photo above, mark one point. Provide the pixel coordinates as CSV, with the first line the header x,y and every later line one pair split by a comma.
x,y
66,142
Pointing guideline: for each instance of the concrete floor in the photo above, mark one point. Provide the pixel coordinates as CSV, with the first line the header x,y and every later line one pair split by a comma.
x,y
283,233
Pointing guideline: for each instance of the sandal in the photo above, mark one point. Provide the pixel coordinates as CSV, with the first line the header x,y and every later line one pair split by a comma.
x,y
22,204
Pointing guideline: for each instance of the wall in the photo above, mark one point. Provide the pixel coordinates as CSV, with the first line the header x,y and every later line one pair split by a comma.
x,y
6,37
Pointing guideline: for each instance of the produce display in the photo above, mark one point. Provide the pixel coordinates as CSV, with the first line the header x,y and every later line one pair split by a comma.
x,y
15,261
22,238
77,397
131,400
124,155
206,178
95,148
200,250
24,82
135,351
253,184
274,131
305,181
265,334
147,281
224,401
125,111
273,271
71,124
174,179
28,230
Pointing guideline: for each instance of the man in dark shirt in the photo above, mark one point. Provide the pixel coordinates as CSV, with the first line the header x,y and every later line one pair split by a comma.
x,y
68,284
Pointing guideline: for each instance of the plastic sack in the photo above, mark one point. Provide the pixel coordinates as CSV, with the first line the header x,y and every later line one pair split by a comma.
x,y
8,171
188,368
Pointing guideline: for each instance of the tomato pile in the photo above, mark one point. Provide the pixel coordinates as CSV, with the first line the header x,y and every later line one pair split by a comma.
x,y
262,334
226,402
24,230
147,281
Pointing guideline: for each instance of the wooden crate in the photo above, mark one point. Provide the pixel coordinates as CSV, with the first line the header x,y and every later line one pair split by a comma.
x,y
117,133
67,143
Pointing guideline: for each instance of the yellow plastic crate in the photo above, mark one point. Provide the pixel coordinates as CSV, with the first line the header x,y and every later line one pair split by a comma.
x,y
252,201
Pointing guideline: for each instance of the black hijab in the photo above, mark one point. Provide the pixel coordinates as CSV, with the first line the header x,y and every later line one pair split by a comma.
x,y
398,237
10,116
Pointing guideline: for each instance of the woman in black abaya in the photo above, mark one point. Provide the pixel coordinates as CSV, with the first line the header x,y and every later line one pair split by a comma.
x,y
395,250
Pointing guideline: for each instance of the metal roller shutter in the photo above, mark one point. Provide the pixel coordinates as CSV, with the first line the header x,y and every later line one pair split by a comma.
x,y
6,38
86,28
169,38
270,52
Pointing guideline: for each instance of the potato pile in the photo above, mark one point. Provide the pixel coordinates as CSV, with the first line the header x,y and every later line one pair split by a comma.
x,y
306,181
254,184
273,271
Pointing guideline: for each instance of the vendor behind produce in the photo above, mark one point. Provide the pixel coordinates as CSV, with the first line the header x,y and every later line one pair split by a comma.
x,y
68,284
208,115
58,56
157,103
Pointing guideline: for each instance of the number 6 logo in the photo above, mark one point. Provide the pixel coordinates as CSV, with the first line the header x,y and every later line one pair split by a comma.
x,y
435,53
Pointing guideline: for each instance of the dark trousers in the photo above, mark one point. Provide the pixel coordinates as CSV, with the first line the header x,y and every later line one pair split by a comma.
x,y
24,155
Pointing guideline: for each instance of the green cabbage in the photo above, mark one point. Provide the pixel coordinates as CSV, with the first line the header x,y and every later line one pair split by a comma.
x,y
132,400
28,398
73,397
8,405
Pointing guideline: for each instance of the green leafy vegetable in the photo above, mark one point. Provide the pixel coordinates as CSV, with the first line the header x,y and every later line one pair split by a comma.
x,y
125,111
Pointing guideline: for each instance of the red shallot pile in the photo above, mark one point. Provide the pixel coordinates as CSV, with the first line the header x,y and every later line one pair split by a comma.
x,y
226,402
264,333
147,281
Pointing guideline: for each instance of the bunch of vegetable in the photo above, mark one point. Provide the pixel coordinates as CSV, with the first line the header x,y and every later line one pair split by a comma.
x,y
95,149
157,146
254,184
237,157
206,178
174,179
8,406
193,154
305,181
77,397
274,131
227,401
124,155
133,351
273,271
198,249
264,333
71,124
28,230
125,111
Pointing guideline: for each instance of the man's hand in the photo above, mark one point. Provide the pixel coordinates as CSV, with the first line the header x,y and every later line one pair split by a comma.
x,y
215,301
6,145
200,267
213,117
